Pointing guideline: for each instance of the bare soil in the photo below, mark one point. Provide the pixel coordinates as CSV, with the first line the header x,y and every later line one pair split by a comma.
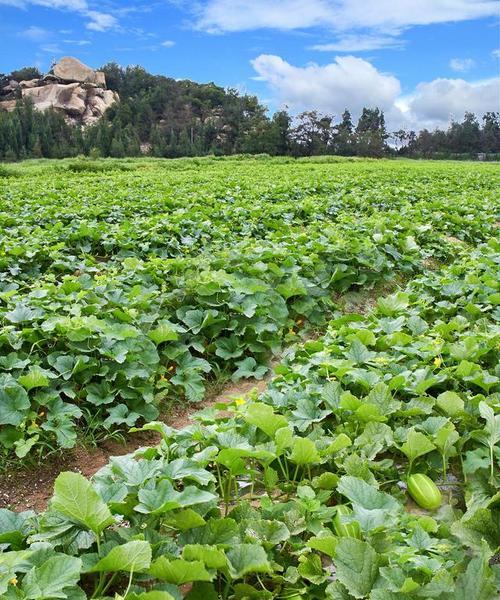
x,y
30,489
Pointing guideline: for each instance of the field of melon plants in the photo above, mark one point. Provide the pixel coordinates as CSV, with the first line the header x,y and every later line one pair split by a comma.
x,y
368,468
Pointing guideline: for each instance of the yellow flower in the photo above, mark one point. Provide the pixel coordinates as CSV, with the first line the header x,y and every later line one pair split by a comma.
x,y
437,361
240,401
13,581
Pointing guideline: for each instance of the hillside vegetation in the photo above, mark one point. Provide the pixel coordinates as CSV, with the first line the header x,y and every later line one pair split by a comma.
x,y
163,117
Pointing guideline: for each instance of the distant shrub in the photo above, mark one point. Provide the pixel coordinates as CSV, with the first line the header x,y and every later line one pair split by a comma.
x,y
96,166
6,172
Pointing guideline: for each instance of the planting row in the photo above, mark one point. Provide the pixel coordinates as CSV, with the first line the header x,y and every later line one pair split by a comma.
x,y
121,292
368,469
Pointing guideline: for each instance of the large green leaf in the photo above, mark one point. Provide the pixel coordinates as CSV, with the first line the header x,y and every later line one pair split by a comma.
x,y
164,498
75,497
417,444
263,416
14,401
304,452
163,332
477,583
357,566
133,556
247,558
372,508
50,579
179,571
211,557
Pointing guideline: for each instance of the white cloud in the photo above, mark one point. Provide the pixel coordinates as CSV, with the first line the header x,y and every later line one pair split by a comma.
x,y
496,53
339,15
78,42
359,43
35,34
168,43
442,99
242,15
351,82
98,21
51,49
461,65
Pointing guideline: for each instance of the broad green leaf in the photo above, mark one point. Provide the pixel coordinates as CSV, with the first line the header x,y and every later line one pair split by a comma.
x,y
263,416
311,569
356,563
14,401
75,497
359,353
21,314
192,383
211,557
229,348
392,305
304,452
35,378
325,543
477,583
266,532
51,578
248,368
371,507
179,571
184,519
293,286
164,498
450,403
483,525
164,332
247,558
492,426
133,556
340,442
417,444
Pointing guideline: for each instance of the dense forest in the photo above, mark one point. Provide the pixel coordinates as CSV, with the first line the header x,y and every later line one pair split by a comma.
x,y
163,117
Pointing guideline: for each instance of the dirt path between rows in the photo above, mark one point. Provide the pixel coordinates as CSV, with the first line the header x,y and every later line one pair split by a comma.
x,y
30,489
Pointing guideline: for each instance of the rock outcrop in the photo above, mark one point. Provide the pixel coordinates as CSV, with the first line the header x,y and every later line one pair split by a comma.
x,y
71,88
71,70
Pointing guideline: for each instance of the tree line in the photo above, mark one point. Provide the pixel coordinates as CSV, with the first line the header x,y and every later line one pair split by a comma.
x,y
162,117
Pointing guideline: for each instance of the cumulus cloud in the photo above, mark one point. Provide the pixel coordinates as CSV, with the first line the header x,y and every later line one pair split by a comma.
x,y
442,99
168,44
351,82
348,82
97,20
461,65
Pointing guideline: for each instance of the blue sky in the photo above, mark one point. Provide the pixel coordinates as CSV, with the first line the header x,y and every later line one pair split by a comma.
x,y
421,61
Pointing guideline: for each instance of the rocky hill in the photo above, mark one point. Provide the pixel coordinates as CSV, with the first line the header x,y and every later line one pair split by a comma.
x,y
70,87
